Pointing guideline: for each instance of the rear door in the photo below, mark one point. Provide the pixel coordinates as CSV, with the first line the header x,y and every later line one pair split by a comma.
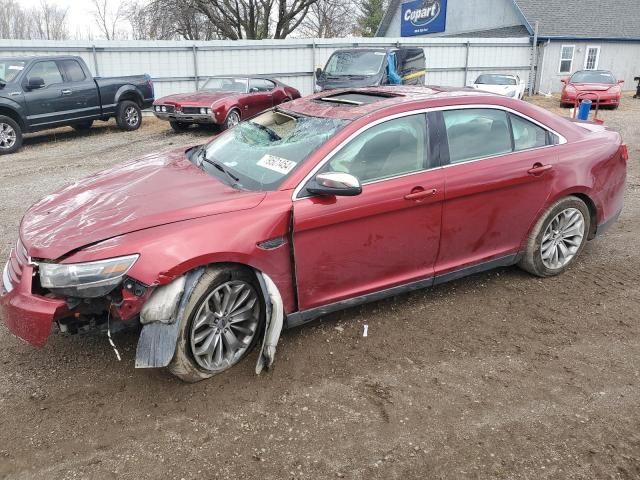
x,y
80,93
498,180
46,105
388,235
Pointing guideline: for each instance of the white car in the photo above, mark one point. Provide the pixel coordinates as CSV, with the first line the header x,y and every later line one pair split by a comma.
x,y
508,85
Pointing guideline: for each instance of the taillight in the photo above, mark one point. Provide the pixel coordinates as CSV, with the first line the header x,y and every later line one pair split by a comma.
x,y
624,152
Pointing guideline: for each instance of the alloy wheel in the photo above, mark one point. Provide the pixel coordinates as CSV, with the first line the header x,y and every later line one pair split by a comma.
x,y
224,325
233,120
8,136
131,116
562,238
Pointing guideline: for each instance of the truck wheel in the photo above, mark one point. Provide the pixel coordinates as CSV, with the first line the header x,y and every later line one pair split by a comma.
x,y
179,126
128,115
83,127
220,325
10,135
557,238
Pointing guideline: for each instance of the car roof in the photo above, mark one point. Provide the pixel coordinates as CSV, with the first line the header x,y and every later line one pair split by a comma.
x,y
341,107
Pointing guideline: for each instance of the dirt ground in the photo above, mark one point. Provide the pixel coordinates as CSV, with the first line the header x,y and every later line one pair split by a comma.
x,y
500,375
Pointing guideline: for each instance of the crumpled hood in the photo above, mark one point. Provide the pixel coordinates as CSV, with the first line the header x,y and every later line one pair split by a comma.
x,y
202,97
592,87
155,190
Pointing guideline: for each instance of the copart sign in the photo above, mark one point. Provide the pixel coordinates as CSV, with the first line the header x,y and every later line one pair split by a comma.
x,y
420,17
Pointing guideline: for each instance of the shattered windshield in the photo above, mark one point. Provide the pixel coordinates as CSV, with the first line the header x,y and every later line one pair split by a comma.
x,y
260,153
227,84
10,69
357,63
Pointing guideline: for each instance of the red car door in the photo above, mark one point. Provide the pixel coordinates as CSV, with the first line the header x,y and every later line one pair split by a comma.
x,y
384,237
260,96
497,184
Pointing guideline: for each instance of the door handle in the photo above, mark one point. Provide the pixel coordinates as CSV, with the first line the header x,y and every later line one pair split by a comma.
x,y
66,91
419,193
539,169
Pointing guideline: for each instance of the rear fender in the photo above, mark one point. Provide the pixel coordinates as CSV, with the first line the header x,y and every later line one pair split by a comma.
x,y
128,92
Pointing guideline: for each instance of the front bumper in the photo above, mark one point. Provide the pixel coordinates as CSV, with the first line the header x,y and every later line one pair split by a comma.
x,y
204,118
27,315
603,100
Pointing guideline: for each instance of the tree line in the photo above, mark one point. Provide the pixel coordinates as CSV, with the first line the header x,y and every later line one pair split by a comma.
x,y
195,19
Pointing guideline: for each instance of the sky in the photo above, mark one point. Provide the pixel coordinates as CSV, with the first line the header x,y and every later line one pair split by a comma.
x,y
79,15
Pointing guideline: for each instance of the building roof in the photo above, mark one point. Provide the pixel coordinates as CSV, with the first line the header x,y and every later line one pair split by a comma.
x,y
559,19
582,19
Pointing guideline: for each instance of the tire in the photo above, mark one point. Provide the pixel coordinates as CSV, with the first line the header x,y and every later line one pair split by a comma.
x,y
179,127
233,118
128,115
83,127
557,232
213,287
10,135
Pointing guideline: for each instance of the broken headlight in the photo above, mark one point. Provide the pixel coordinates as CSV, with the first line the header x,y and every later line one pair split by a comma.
x,y
85,280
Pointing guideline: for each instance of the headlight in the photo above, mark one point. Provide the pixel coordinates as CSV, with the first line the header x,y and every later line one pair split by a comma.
x,y
157,108
203,111
85,280
164,109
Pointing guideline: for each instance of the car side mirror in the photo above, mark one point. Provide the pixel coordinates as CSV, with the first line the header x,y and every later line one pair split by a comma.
x,y
335,183
563,80
35,83
620,82
318,72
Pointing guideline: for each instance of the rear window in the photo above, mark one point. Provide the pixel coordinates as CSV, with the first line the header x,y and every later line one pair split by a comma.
x,y
73,71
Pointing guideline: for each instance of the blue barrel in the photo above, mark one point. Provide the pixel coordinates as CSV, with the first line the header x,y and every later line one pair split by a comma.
x,y
583,110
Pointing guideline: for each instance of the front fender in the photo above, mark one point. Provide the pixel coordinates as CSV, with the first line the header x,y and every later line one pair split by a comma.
x,y
14,107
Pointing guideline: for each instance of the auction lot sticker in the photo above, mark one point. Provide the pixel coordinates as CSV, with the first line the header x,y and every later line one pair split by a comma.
x,y
277,164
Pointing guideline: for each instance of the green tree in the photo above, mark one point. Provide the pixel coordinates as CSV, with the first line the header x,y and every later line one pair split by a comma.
x,y
371,13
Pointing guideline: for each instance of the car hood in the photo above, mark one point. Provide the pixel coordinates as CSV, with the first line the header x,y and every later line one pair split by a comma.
x,y
155,190
592,87
196,98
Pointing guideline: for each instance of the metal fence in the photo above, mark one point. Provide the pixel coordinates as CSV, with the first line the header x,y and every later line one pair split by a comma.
x,y
182,66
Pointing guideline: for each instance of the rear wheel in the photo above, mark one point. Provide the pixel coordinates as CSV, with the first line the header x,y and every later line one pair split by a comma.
x,y
128,115
10,135
557,238
220,324
179,126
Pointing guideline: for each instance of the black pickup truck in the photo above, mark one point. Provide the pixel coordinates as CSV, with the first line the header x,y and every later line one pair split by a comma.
x,y
37,93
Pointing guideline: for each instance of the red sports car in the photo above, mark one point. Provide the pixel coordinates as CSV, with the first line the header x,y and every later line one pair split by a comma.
x,y
329,201
599,86
223,101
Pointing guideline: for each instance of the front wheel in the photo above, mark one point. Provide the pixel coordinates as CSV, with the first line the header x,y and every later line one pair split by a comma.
x,y
128,115
10,135
232,120
557,238
220,325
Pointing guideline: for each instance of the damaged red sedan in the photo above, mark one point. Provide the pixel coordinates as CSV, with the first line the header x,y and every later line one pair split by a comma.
x,y
223,101
599,86
326,202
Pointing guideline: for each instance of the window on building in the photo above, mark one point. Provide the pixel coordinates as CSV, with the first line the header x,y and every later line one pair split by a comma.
x,y
591,58
566,58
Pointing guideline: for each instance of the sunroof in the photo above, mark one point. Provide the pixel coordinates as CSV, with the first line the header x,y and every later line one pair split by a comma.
x,y
356,98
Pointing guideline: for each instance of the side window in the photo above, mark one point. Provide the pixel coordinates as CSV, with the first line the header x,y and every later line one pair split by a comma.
x,y
261,85
48,71
73,71
527,134
476,133
392,148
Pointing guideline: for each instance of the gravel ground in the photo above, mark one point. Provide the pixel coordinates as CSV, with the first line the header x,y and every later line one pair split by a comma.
x,y
499,375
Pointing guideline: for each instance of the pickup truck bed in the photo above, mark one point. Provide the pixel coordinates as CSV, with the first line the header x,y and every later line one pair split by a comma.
x,y
38,93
